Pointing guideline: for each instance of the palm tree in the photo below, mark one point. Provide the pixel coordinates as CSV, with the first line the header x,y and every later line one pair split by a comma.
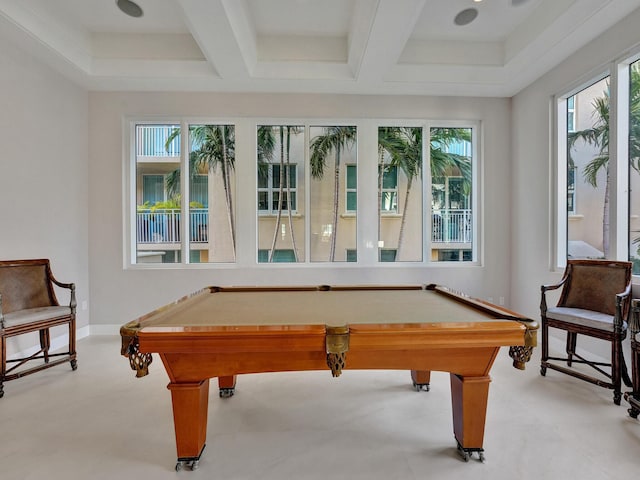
x,y
334,139
443,162
212,148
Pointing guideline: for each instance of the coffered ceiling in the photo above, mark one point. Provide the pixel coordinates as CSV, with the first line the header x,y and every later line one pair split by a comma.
x,y
323,46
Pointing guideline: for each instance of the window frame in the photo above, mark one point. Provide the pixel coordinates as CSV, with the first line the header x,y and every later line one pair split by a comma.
x,y
246,207
619,170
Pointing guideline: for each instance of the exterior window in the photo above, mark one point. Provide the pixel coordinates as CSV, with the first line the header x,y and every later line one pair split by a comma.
x,y
270,193
400,217
352,189
308,182
452,220
332,149
389,191
161,224
279,256
388,255
587,164
634,166
571,114
280,167
157,212
211,170
571,190
152,189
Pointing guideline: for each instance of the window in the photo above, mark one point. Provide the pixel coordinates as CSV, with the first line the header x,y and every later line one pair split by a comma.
x,y
302,193
389,189
280,173
634,165
162,220
585,161
400,161
270,193
351,189
332,160
279,256
598,167
452,219
571,190
571,114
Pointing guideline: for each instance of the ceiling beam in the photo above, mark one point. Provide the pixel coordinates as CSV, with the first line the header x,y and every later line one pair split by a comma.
x,y
220,29
379,51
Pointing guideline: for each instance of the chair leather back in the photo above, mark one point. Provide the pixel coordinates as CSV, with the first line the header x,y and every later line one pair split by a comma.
x,y
593,285
25,284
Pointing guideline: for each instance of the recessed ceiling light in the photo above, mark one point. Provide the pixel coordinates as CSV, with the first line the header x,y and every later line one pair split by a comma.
x,y
517,3
130,8
465,17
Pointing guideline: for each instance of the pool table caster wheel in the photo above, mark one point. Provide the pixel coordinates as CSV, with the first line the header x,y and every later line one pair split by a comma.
x,y
467,453
227,392
190,464
421,387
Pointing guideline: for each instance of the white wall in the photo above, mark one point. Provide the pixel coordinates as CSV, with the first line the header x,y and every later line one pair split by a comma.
x,y
43,172
119,295
533,167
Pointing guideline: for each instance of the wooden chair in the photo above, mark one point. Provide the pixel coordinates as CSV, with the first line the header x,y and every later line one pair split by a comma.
x,y
28,304
595,302
633,397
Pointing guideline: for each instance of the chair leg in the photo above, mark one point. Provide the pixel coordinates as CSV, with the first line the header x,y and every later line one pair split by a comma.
x,y
72,344
545,346
3,366
625,373
617,364
45,343
572,338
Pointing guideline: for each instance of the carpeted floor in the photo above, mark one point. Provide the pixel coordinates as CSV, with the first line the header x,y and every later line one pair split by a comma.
x,y
100,422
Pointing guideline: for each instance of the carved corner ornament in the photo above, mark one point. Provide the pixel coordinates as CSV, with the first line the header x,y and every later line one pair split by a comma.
x,y
337,342
521,354
138,361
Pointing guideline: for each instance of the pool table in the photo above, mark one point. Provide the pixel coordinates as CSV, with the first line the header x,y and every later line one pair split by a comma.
x,y
225,331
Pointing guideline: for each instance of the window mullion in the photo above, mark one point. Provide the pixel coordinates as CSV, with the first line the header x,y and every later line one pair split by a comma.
x,y
185,226
618,166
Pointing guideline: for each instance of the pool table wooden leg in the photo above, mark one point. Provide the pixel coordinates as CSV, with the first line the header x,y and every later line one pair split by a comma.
x,y
469,397
227,386
190,405
421,379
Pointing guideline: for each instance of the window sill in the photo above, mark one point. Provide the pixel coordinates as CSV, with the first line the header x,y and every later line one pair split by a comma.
x,y
284,215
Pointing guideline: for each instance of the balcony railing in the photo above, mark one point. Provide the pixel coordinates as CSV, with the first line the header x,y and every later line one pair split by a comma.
x,y
451,226
151,141
163,226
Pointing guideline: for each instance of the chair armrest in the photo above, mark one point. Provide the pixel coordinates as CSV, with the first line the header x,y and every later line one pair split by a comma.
x,y
1,316
621,300
70,286
544,289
